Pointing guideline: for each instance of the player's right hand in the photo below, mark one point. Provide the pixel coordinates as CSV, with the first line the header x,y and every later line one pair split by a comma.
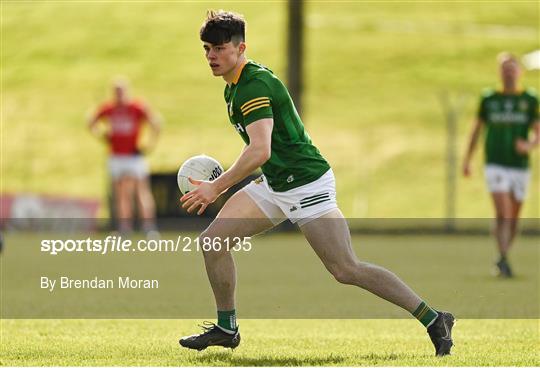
x,y
201,196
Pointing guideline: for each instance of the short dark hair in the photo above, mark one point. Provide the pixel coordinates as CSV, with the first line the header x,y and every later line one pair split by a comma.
x,y
222,26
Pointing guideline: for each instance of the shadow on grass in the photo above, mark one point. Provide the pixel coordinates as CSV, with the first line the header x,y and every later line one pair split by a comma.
x,y
374,358
229,358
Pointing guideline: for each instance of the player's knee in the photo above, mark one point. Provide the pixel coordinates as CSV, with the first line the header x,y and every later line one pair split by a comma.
x,y
344,274
212,245
206,235
353,273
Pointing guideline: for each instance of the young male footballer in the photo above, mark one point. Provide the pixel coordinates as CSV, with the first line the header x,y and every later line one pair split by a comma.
x,y
298,184
507,116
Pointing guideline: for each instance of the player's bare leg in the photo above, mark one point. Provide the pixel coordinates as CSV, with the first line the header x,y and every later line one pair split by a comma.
x,y
239,217
515,213
502,202
146,204
330,238
505,228
124,188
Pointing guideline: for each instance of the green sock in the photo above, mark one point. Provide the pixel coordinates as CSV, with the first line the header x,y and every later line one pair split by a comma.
x,y
425,314
227,320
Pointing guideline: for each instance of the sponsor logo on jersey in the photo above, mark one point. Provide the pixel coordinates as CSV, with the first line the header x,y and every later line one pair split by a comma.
x,y
122,124
508,117
523,105
290,178
508,105
293,208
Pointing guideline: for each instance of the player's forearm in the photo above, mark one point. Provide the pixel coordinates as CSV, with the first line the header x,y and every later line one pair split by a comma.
x,y
473,142
155,123
471,148
92,127
154,136
251,158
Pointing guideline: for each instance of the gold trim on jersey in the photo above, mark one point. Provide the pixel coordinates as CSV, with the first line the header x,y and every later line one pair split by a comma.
x,y
237,76
248,104
255,107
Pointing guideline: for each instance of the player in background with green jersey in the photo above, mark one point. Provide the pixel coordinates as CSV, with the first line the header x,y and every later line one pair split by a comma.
x,y
507,116
298,184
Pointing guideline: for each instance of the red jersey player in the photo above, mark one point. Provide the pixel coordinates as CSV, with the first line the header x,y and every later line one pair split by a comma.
x,y
127,167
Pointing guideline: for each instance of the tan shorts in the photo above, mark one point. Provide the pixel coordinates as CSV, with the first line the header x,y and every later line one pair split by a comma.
x,y
299,205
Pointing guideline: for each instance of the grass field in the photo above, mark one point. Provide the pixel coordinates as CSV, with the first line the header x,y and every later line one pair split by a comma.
x,y
291,310
266,343
374,71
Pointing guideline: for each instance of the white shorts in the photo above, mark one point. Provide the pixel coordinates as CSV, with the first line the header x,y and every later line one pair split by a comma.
x,y
128,165
507,180
300,205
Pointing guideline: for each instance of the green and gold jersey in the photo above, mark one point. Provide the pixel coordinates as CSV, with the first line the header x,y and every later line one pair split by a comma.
x,y
507,118
258,94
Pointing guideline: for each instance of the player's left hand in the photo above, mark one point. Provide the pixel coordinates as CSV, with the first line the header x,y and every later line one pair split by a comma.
x,y
523,146
202,196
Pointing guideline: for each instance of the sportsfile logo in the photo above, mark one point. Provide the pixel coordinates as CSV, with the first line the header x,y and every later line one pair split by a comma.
x,y
118,244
